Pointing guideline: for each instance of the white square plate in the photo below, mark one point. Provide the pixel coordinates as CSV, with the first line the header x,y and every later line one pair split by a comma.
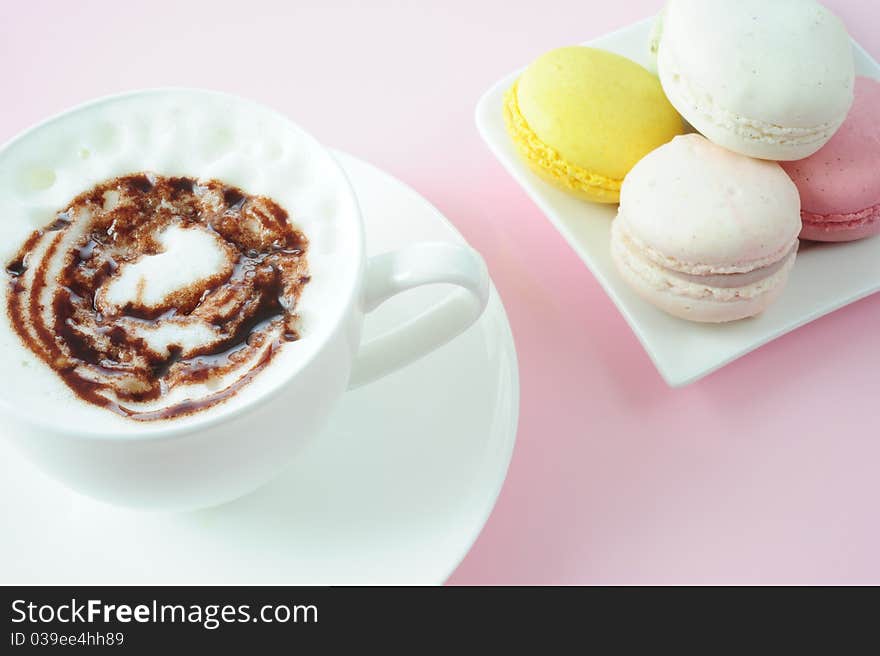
x,y
825,277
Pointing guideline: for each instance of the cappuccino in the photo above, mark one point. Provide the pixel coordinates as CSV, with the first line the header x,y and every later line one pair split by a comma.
x,y
145,284
168,256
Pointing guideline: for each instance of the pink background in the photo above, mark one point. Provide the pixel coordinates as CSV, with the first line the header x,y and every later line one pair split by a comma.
x,y
767,471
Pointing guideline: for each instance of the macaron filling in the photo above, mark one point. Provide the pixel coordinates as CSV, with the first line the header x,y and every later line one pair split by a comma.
x,y
702,270
734,280
854,225
547,159
754,279
865,216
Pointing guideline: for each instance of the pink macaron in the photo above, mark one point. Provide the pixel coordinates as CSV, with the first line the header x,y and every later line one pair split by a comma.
x,y
840,184
706,234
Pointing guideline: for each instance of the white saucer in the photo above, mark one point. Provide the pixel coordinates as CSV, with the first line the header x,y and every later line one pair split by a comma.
x,y
395,490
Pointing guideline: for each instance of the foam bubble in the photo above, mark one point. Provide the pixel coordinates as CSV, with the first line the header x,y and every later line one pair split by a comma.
x,y
271,151
106,138
35,178
216,140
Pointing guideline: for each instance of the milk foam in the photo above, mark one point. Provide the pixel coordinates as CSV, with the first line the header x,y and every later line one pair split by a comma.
x,y
175,133
190,255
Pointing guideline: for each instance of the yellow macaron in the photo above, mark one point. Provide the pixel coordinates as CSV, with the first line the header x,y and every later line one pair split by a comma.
x,y
583,117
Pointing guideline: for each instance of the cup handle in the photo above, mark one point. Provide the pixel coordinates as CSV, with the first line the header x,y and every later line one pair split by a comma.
x,y
421,264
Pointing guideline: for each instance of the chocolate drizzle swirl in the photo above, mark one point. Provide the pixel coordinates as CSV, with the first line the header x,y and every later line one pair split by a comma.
x,y
220,330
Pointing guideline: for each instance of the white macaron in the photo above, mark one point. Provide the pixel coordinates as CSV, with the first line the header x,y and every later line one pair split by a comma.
x,y
771,79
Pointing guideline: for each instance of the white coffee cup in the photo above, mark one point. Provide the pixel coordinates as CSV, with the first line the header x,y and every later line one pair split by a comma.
x,y
224,452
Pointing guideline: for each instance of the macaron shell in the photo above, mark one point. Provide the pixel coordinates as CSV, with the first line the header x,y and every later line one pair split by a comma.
x,y
700,208
844,176
783,62
598,110
736,132
549,165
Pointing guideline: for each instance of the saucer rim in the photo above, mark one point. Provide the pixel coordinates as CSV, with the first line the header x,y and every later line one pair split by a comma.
x,y
494,299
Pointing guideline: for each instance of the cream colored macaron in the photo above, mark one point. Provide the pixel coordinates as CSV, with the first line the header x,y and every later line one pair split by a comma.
x,y
704,233
771,79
